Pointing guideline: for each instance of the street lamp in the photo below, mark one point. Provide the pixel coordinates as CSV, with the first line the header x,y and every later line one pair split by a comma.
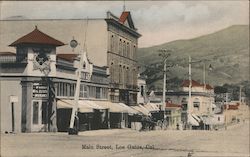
x,y
164,54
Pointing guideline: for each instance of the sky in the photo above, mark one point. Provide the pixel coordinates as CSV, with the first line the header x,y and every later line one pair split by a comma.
x,y
158,21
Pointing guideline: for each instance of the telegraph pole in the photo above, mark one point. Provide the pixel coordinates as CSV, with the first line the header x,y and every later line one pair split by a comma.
x,y
190,86
164,54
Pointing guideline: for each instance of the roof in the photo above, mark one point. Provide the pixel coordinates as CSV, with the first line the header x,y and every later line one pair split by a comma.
x,y
7,54
185,83
67,57
173,105
37,37
126,16
231,107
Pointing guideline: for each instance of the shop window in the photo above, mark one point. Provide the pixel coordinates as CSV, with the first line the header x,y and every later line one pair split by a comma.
x,y
44,112
35,112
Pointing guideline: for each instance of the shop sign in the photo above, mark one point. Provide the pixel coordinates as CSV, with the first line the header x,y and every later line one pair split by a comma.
x,y
40,90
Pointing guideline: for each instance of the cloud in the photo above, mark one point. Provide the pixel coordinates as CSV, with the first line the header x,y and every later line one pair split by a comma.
x,y
157,21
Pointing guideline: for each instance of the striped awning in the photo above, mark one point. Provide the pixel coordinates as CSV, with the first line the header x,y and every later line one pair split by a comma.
x,y
151,107
67,103
84,106
192,120
141,109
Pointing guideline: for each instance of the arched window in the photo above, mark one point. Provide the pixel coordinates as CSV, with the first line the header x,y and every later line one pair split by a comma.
x,y
120,73
124,49
120,47
112,73
128,50
112,43
196,103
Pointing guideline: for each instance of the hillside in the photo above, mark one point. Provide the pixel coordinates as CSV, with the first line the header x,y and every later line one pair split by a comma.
x,y
226,50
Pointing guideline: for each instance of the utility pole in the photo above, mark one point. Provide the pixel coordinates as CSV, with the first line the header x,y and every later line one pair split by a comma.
x,y
190,85
164,53
204,76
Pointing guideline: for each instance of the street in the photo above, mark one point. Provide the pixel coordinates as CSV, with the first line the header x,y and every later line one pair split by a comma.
x,y
130,143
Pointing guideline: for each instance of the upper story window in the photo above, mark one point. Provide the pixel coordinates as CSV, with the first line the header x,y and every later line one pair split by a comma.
x,y
120,47
196,103
124,49
128,50
83,91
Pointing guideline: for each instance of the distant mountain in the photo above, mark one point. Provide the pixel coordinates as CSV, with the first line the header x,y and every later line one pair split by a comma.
x,y
226,50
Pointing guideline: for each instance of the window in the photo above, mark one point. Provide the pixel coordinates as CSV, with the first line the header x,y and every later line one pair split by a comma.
x,y
81,91
184,104
35,112
128,50
44,112
112,43
98,92
124,49
196,103
120,47
142,90
92,92
218,118
120,73
85,91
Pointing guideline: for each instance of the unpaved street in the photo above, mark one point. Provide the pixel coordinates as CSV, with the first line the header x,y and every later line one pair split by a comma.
x,y
126,142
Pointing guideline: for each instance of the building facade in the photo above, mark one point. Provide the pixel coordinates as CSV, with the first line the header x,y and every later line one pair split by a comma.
x,y
110,42
36,78
201,104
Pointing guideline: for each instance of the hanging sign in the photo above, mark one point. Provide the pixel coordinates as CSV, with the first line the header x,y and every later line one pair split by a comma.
x,y
40,90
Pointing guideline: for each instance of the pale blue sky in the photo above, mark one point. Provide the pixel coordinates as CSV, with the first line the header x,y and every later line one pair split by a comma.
x,y
157,21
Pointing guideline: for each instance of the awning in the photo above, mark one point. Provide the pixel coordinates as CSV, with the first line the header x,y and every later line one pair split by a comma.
x,y
192,121
113,107
129,109
116,107
151,107
92,104
66,103
196,117
141,109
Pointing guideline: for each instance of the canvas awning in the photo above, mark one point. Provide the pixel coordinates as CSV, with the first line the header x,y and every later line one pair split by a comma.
x,y
151,107
91,104
66,103
192,120
116,107
196,117
129,109
141,109
113,107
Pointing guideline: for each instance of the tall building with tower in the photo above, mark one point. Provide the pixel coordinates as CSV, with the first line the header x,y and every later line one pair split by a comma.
x,y
110,42
38,71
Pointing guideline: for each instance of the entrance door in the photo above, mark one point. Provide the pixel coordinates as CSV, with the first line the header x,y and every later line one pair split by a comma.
x,y
39,115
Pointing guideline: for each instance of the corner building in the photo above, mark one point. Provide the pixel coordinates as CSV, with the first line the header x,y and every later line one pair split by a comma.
x,y
111,42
